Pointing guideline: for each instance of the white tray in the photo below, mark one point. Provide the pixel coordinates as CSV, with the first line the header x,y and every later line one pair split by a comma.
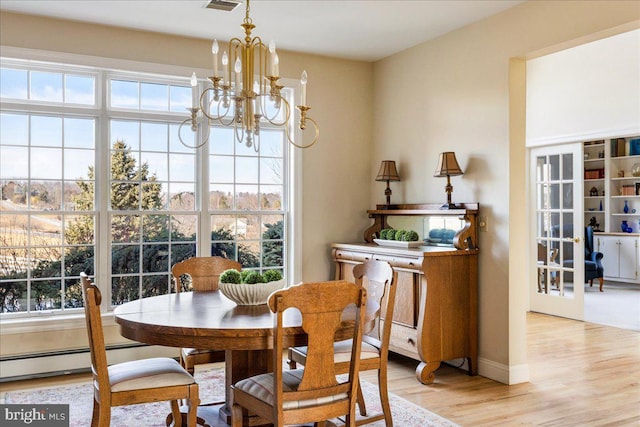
x,y
398,244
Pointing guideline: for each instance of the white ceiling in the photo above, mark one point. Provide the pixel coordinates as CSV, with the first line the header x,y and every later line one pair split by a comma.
x,y
357,29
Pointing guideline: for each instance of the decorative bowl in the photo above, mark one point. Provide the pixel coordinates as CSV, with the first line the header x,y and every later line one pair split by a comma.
x,y
250,294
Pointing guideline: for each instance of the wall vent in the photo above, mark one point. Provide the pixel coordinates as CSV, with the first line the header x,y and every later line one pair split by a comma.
x,y
226,5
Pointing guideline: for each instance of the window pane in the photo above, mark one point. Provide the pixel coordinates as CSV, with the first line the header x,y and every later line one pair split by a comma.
x,y
271,197
158,165
221,169
247,197
270,171
46,86
124,289
125,259
247,170
124,94
52,157
79,133
77,163
271,143
14,162
182,167
80,90
180,98
13,83
14,129
154,137
221,197
221,141
127,132
154,97
46,131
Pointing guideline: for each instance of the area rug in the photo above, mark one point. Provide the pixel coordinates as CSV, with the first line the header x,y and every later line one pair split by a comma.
x,y
79,397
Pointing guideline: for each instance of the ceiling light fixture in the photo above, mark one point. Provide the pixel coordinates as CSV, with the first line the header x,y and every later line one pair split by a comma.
x,y
236,100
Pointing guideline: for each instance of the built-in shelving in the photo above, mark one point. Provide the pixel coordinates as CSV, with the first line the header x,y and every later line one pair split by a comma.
x,y
611,178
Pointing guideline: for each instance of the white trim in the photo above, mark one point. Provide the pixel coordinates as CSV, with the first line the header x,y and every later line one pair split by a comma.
x,y
66,363
506,374
46,323
115,64
587,136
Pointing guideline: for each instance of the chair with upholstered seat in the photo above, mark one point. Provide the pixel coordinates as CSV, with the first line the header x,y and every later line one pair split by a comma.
x,y
128,383
379,280
313,394
593,268
203,274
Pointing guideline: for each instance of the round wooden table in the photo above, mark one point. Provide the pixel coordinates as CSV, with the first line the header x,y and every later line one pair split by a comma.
x,y
209,320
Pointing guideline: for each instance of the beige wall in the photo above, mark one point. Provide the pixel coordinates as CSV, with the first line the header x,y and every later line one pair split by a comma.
x,y
448,94
453,94
335,173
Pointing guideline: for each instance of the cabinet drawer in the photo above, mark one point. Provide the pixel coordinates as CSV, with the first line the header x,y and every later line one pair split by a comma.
x,y
345,255
401,262
404,340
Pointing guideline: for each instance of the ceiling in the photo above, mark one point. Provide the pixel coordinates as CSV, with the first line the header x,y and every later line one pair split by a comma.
x,y
358,29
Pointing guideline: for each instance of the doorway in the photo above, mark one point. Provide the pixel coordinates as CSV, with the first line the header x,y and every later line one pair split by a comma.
x,y
557,255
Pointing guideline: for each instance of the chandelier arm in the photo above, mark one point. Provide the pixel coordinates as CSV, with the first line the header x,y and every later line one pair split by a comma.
x,y
287,110
315,139
196,146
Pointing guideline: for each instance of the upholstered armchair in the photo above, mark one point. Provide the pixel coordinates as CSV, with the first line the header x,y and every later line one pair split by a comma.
x,y
593,268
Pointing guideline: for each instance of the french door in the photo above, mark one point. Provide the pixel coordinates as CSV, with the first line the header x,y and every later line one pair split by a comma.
x,y
557,231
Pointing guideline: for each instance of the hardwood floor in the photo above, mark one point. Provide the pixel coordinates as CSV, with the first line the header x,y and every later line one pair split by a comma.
x,y
582,374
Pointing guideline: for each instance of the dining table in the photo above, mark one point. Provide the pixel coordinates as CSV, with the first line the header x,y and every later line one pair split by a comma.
x,y
209,320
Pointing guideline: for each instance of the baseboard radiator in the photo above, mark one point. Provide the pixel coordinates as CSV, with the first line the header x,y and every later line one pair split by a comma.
x,y
41,365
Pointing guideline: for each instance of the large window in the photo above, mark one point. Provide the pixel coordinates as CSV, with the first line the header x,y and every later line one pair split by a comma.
x,y
94,178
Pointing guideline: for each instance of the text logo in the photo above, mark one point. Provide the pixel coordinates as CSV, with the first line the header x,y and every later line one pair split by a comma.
x,y
45,415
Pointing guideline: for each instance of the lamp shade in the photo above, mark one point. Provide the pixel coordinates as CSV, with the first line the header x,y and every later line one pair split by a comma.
x,y
388,171
447,165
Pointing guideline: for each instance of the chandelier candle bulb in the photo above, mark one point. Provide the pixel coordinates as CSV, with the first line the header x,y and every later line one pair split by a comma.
x,y
272,54
276,65
238,71
225,68
303,88
194,90
214,51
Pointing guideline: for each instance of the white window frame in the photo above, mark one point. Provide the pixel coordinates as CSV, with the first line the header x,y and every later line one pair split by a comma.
x,y
292,194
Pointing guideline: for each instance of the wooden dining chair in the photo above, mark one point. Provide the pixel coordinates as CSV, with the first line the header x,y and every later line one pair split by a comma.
x,y
313,394
128,383
203,273
379,279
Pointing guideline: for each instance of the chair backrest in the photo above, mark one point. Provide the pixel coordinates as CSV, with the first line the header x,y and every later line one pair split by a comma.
x,y
204,271
379,279
588,241
92,299
322,305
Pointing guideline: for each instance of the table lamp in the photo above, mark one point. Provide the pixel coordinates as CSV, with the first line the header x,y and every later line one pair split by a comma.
x,y
388,172
448,166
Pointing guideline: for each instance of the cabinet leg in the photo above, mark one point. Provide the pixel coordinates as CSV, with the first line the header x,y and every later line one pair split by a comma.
x,y
425,372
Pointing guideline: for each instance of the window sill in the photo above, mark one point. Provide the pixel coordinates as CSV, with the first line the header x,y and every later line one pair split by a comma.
x,y
49,323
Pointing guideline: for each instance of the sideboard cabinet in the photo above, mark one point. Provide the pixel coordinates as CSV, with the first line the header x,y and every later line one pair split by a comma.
x,y
436,310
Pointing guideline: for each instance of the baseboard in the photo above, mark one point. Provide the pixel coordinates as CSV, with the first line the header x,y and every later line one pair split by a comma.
x,y
505,374
38,366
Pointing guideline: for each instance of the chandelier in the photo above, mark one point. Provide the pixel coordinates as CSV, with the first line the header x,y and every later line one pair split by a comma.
x,y
246,92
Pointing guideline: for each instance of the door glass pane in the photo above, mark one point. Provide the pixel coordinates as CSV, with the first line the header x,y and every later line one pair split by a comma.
x,y
567,195
554,196
554,168
567,166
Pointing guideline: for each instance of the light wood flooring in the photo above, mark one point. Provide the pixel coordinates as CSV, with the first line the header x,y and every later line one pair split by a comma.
x,y
581,374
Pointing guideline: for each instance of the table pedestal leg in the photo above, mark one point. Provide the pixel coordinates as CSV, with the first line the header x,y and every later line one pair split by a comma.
x,y
241,364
